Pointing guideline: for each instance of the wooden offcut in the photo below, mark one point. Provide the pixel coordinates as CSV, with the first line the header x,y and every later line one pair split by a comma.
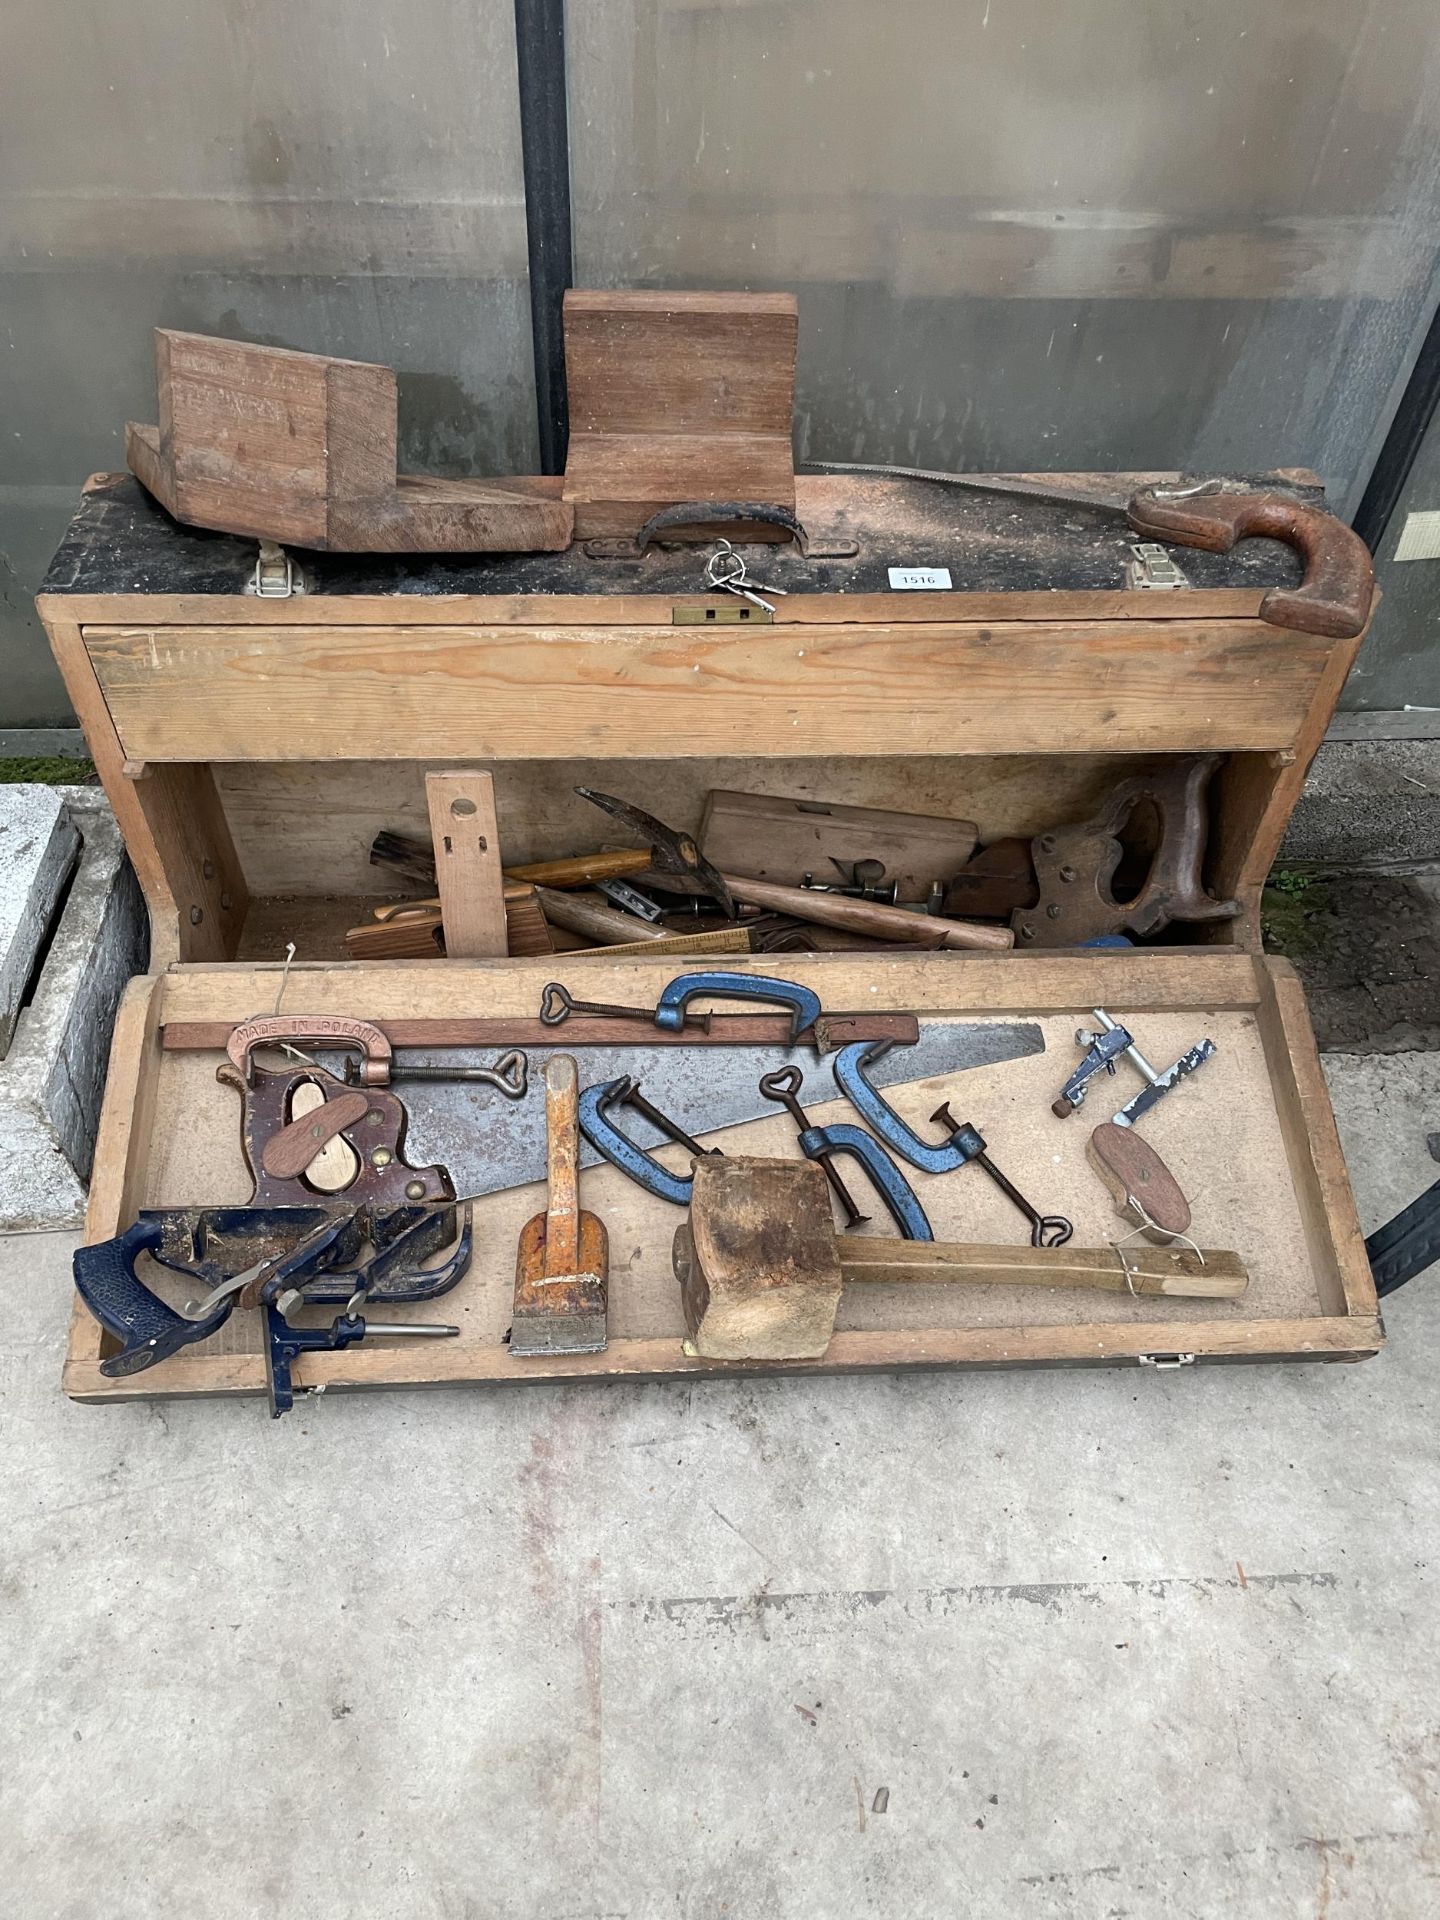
x,y
677,397
467,863
300,448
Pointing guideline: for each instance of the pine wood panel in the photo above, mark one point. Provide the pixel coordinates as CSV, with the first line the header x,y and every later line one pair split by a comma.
x,y
467,863
677,396
918,982
306,828
655,609
214,693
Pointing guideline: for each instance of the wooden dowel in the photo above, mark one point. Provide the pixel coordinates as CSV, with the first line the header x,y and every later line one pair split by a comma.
x,y
892,924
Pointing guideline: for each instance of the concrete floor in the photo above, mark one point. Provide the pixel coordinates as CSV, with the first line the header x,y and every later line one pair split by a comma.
x,y
1111,1643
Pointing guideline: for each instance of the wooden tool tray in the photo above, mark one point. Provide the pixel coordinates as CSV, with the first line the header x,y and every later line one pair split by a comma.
x,y
252,748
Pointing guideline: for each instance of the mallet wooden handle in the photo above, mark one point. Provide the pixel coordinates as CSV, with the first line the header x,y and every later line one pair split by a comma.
x,y
866,916
1164,1270
562,1165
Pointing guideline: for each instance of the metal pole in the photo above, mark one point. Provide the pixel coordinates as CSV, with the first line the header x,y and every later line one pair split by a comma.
x,y
1402,442
545,151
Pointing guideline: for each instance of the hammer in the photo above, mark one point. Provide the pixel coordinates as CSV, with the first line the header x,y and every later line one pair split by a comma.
x,y
760,1269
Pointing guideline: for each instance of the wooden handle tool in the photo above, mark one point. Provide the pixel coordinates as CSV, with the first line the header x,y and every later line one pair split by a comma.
x,y
1338,588
1171,1271
865,916
562,1264
582,869
1138,1178
761,1272
588,915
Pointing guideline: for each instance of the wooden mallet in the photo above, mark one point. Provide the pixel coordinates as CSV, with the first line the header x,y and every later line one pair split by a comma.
x,y
562,1264
760,1269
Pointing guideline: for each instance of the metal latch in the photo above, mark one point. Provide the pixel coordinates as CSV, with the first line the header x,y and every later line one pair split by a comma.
x,y
736,613
276,576
1166,1362
1153,568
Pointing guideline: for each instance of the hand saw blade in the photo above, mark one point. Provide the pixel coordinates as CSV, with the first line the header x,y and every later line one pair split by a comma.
x,y
489,1145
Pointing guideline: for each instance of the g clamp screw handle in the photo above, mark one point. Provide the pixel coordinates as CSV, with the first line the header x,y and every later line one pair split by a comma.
x,y
1046,1229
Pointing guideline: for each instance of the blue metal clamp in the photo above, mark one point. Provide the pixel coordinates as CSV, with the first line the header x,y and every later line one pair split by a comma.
x,y
881,1118
670,1008
608,1141
1102,1051
887,1179
149,1331
284,1345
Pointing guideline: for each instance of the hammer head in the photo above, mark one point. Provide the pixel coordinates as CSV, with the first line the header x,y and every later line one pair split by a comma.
x,y
670,851
756,1261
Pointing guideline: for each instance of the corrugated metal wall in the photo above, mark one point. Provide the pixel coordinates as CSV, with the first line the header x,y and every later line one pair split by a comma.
x,y
1023,235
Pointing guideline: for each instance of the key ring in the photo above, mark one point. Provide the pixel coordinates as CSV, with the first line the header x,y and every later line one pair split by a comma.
x,y
726,570
736,570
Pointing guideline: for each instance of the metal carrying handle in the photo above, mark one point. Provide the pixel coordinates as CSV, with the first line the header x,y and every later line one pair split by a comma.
x,y
707,513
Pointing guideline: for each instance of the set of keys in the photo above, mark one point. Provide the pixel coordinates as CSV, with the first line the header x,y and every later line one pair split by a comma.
x,y
726,569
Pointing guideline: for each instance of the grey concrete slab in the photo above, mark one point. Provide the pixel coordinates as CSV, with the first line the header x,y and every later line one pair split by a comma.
x,y
1387,1107
53,1077
1368,803
1108,1643
39,843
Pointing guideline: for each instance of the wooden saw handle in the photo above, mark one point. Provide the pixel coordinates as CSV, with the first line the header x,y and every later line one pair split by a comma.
x,y
289,1152
1334,597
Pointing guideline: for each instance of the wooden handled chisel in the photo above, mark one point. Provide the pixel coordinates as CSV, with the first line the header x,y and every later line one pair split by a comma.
x,y
562,1264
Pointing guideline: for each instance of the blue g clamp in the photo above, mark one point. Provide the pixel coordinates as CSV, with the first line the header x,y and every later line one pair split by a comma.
x,y
612,1145
670,1008
888,1181
881,1118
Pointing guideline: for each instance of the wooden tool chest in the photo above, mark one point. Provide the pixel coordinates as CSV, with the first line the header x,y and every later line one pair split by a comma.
x,y
252,747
